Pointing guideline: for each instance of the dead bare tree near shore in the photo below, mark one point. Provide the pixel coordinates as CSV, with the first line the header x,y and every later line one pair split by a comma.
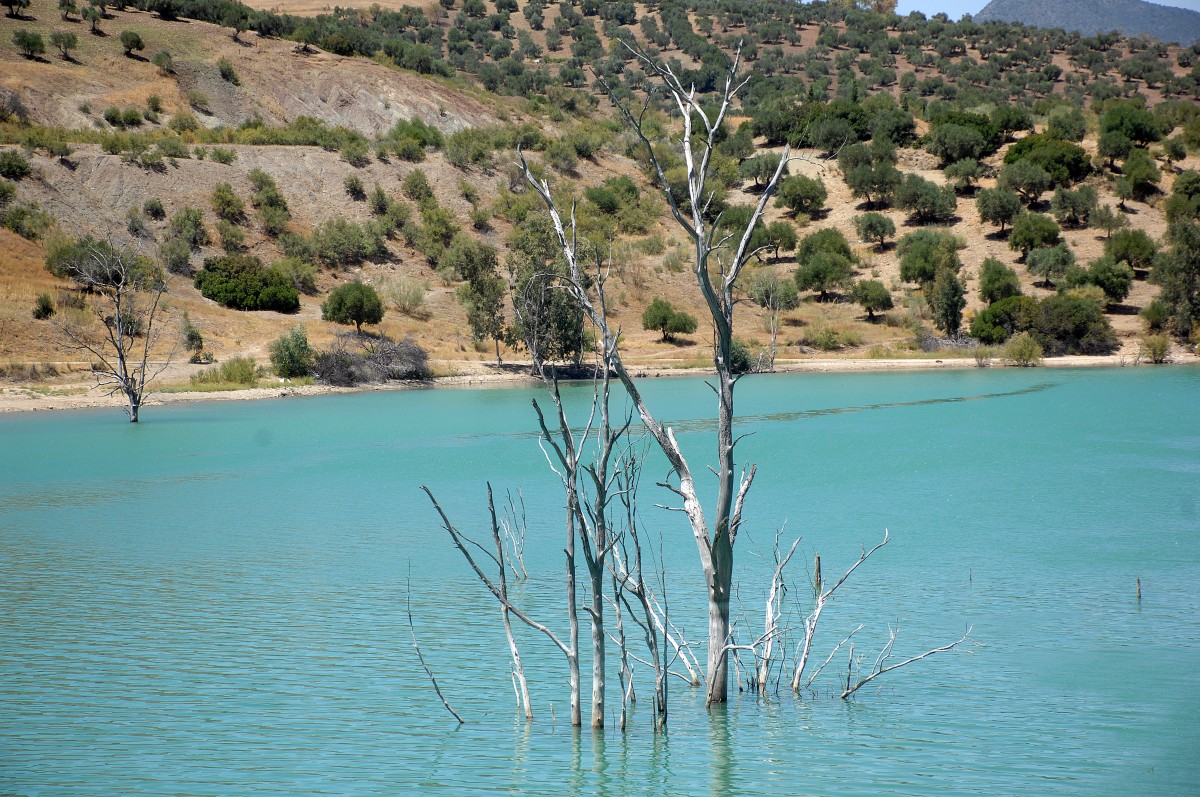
x,y
718,255
127,290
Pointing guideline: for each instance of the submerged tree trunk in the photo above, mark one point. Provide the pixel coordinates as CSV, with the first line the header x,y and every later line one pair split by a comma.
x,y
598,651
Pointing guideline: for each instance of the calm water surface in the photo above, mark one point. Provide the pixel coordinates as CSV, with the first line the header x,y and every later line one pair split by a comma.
x,y
213,602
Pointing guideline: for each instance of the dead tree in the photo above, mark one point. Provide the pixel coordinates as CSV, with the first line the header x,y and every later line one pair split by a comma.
x,y
631,587
718,261
126,289
821,596
881,667
589,488
774,612
588,508
499,588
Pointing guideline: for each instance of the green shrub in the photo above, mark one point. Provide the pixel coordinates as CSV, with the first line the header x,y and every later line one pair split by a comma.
x,y
26,220
407,149
1023,350
1033,231
175,255
188,224
234,371
231,237
43,307
240,282
469,147
355,151
406,295
193,341
1156,314
416,186
1069,324
1063,162
162,59
338,242
300,273
131,41
274,219
1004,318
227,72
1134,247
997,281
561,156
1155,348
354,187
291,356
926,252
740,361
829,339
135,223
801,195
223,155
183,122
13,166
228,205
172,147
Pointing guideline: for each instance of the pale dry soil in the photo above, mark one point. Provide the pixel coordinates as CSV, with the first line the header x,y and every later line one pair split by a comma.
x,y
73,390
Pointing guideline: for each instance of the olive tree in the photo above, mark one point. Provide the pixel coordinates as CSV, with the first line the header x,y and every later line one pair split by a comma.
x,y
874,227
947,300
775,296
664,318
353,303
873,295
998,206
1050,262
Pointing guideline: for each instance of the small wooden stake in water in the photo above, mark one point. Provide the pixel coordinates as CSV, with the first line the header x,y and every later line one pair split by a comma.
x,y
1139,588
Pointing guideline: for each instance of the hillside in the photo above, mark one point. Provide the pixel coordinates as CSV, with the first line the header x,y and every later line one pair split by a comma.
x,y
109,136
1131,17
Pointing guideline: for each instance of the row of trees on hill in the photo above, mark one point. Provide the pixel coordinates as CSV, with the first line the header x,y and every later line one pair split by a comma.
x,y
531,48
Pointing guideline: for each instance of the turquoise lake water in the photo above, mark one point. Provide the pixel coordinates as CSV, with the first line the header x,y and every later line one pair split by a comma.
x,y
212,602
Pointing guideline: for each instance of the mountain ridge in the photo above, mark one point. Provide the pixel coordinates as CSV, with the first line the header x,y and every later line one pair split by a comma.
x,y
1131,17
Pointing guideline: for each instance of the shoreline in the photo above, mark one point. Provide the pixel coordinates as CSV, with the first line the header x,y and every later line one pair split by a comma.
x,y
19,398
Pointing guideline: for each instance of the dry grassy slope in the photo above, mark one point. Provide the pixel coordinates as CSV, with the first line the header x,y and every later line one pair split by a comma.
x,y
278,84
95,194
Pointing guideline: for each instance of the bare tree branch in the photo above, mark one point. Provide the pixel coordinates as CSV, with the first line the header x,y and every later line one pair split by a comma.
x,y
877,671
413,632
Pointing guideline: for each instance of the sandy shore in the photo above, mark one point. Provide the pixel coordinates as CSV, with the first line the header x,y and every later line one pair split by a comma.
x,y
81,395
